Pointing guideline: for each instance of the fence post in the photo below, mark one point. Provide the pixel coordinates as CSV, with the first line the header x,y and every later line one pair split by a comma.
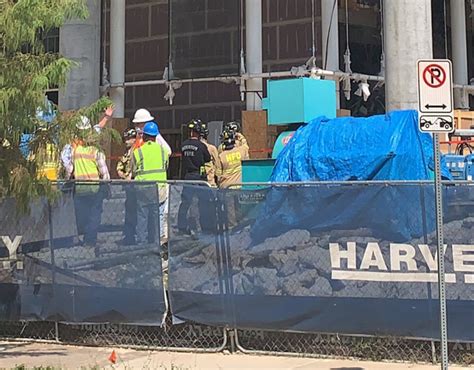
x,y
232,334
433,353
53,264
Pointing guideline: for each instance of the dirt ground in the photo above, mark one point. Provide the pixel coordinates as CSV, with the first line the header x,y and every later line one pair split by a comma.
x,y
13,354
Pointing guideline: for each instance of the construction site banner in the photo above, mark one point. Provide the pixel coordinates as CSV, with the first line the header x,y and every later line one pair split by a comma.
x,y
66,259
329,258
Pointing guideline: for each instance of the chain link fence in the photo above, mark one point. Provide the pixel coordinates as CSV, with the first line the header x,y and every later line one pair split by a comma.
x,y
342,346
185,336
202,338
287,266
29,330
330,345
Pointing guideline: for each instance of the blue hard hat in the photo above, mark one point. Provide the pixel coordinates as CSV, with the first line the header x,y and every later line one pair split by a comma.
x,y
151,129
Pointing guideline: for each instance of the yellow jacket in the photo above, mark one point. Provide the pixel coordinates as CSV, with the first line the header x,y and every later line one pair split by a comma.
x,y
211,166
229,171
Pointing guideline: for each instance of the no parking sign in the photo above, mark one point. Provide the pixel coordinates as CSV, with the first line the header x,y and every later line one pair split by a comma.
x,y
435,96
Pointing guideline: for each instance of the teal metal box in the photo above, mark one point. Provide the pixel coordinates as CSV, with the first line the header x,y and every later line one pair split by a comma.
x,y
257,170
299,100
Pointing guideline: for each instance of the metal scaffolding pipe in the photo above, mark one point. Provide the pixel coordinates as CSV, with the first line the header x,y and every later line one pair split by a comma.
x,y
253,37
117,56
459,48
353,76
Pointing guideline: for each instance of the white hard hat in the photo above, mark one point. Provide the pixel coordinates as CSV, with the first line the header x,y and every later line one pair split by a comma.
x,y
84,124
142,116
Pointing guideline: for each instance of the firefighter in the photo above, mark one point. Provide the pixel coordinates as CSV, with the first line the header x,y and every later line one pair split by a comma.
x,y
211,165
124,171
123,166
229,170
240,139
208,204
150,163
195,155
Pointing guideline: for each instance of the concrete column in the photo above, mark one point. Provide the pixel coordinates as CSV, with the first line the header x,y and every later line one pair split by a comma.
x,y
459,47
79,40
117,55
408,37
330,24
330,37
253,37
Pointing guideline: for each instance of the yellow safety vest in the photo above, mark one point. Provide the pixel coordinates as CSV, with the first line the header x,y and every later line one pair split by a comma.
x,y
85,168
49,167
85,163
150,162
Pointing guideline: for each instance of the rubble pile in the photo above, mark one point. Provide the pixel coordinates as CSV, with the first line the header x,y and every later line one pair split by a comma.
x,y
297,263
115,266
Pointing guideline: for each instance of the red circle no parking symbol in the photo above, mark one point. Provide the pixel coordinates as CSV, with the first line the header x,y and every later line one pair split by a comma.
x,y
434,76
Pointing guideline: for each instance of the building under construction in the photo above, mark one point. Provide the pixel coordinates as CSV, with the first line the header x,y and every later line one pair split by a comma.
x,y
209,59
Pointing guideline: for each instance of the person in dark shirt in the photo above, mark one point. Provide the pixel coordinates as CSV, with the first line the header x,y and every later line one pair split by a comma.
x,y
195,155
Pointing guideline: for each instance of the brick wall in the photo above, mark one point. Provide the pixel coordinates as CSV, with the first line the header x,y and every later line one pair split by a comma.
x,y
286,43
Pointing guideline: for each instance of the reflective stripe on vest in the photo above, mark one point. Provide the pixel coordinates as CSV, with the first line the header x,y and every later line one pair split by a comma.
x,y
142,171
85,164
232,171
151,162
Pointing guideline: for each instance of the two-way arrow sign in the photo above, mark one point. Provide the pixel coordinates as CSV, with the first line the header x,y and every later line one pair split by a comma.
x,y
432,106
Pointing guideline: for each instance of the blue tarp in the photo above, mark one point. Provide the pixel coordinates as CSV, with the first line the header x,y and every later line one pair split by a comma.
x,y
46,115
400,213
388,147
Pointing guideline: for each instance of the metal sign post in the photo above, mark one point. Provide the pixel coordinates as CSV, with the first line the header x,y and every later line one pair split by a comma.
x,y
435,97
440,238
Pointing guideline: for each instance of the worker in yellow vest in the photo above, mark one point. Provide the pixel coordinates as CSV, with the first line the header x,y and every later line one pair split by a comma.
x,y
150,163
49,167
49,164
88,167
